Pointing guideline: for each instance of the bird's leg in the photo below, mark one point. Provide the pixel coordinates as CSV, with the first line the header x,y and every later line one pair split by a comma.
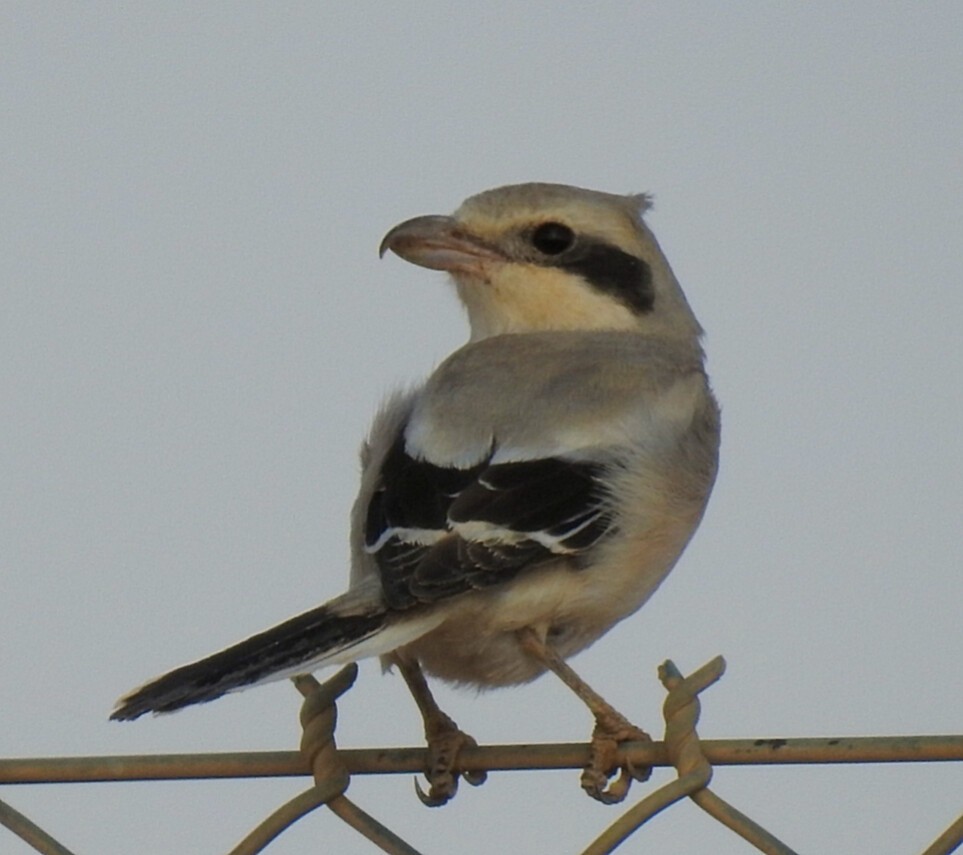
x,y
611,727
445,740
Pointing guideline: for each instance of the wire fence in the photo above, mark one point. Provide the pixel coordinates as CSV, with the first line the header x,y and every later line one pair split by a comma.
x,y
331,769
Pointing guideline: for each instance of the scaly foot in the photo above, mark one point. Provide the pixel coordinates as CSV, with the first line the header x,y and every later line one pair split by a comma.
x,y
445,742
609,732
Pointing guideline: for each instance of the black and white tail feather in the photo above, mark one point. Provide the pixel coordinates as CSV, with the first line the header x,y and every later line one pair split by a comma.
x,y
434,532
315,638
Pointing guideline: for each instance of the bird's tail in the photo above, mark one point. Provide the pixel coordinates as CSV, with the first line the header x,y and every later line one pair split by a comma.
x,y
326,634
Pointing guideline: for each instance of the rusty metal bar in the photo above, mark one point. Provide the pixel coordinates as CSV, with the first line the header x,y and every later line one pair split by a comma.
x,y
331,768
375,761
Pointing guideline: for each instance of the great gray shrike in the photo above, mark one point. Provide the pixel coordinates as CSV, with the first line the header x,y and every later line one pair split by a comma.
x,y
533,492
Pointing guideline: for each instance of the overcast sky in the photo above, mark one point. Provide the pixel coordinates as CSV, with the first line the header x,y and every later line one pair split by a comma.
x,y
196,329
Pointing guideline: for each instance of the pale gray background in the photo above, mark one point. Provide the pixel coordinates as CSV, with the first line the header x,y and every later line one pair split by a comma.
x,y
196,330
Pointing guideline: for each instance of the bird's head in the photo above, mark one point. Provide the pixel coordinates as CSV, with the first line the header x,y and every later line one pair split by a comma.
x,y
540,257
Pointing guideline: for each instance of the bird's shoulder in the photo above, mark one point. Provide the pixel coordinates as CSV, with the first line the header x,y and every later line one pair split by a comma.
x,y
546,393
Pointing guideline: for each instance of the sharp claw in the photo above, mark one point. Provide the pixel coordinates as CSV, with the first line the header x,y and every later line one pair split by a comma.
x,y
596,777
444,746
597,785
436,795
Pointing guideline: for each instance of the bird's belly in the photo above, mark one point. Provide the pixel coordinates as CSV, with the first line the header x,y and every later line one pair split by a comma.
x,y
476,643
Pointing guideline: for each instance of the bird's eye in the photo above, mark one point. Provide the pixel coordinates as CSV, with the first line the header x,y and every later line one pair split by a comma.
x,y
552,238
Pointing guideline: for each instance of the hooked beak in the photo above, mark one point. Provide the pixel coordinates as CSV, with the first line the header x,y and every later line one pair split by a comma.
x,y
440,243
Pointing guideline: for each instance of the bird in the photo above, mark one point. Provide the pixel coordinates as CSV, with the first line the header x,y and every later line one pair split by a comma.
x,y
532,493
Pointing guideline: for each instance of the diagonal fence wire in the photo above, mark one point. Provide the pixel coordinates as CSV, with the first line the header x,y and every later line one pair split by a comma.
x,y
319,718
332,768
30,832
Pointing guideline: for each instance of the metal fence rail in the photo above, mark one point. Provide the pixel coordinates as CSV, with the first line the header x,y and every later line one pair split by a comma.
x,y
332,768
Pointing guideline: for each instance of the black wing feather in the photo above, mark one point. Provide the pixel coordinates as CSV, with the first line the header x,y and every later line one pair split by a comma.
x,y
411,519
413,493
534,495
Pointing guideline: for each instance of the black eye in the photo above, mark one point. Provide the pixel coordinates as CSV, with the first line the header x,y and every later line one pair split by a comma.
x,y
552,238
